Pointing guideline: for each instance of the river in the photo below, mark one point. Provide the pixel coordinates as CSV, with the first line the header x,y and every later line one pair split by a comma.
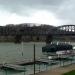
x,y
11,52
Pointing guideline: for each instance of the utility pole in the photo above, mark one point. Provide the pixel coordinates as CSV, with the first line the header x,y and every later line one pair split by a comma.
x,y
34,59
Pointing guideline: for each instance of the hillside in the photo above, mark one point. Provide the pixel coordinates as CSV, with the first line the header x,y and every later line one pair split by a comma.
x,y
28,31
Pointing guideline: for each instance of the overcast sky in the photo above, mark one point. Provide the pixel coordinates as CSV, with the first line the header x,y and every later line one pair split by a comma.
x,y
53,12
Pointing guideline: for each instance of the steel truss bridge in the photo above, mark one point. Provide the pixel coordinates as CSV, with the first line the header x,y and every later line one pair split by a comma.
x,y
65,30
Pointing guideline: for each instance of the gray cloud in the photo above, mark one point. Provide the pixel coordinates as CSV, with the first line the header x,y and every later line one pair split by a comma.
x,y
26,6
66,12
63,9
30,2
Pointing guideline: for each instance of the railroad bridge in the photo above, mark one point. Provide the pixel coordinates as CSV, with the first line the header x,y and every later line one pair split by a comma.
x,y
69,28
66,32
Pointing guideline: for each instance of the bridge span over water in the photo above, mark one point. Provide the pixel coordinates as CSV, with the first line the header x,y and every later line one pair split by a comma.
x,y
64,32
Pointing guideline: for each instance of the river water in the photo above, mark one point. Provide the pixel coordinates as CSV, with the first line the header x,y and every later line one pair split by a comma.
x,y
11,52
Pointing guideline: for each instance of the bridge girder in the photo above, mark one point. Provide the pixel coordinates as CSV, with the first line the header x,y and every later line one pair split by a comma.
x,y
67,28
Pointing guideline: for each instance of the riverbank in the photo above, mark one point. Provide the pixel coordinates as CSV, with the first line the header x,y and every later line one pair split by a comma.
x,y
58,71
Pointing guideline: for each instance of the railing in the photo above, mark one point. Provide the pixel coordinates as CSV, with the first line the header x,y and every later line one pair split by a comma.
x,y
50,64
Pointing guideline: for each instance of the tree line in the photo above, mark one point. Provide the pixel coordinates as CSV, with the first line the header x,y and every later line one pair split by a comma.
x,y
25,29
